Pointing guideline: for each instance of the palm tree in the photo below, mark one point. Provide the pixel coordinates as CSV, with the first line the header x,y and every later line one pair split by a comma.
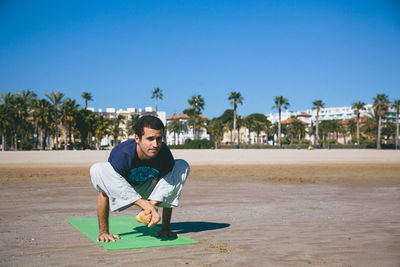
x,y
41,112
358,106
22,103
69,108
216,130
273,130
157,94
352,126
249,124
174,127
258,128
240,122
257,122
101,129
87,97
130,125
197,103
370,125
6,117
381,106
84,122
116,130
55,98
236,98
317,105
396,106
280,102
297,129
336,127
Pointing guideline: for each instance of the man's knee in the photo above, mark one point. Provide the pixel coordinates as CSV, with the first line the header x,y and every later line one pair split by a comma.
x,y
182,165
181,170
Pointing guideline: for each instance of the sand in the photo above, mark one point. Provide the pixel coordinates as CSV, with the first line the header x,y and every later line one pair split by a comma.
x,y
246,207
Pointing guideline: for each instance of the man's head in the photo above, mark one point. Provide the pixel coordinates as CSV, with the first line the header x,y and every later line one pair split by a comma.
x,y
148,122
149,132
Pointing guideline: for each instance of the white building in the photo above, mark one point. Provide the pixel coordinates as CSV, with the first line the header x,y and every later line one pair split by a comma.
x,y
112,113
334,113
186,131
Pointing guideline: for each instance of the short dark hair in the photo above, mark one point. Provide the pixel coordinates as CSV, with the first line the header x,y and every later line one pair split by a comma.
x,y
149,122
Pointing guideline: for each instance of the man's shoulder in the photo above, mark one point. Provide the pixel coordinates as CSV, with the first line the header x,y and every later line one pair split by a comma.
x,y
127,145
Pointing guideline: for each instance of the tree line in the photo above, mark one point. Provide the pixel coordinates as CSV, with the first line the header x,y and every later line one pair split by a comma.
x,y
28,122
367,130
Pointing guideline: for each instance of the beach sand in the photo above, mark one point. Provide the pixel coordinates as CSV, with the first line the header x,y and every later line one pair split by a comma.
x,y
245,207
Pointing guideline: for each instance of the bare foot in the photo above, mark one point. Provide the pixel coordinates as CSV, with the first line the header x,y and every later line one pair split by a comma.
x,y
167,234
144,217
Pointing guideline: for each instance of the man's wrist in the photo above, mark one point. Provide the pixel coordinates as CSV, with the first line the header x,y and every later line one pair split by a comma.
x,y
154,202
146,204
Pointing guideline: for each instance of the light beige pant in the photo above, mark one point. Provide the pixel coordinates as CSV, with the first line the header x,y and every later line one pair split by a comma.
x,y
121,194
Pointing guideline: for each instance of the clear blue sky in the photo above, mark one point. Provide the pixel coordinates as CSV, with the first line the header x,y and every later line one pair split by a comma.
x,y
339,51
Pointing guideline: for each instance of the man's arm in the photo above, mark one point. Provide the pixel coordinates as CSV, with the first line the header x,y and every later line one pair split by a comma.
x,y
102,213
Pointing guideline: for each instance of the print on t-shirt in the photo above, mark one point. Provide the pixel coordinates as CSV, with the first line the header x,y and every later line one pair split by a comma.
x,y
140,175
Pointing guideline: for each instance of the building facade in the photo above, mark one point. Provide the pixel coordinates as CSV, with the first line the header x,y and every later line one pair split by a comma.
x,y
183,131
332,113
112,113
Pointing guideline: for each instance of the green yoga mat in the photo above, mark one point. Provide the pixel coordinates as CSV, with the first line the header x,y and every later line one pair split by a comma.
x,y
132,233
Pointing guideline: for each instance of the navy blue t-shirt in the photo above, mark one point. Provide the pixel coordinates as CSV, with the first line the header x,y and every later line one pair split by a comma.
x,y
125,161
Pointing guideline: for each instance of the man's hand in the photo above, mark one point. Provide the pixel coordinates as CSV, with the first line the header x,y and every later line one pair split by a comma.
x,y
155,218
149,207
106,237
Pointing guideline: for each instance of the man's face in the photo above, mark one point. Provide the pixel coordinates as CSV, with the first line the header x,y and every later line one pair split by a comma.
x,y
150,144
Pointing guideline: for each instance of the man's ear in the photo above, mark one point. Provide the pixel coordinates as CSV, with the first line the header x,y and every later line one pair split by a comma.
x,y
137,138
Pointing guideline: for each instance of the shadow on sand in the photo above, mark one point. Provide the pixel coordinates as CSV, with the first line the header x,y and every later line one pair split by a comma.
x,y
190,227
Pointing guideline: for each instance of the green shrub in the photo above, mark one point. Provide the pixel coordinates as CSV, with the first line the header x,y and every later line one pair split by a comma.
x,y
194,144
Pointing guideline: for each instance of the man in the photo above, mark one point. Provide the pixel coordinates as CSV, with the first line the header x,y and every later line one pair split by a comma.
x,y
140,172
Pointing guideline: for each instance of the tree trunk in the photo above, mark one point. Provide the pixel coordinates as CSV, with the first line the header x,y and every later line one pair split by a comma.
x,y
15,142
98,143
65,140
3,141
89,140
56,129
70,141
397,130
279,129
194,127
378,141
238,136
41,139
174,138
358,129
316,129
234,126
